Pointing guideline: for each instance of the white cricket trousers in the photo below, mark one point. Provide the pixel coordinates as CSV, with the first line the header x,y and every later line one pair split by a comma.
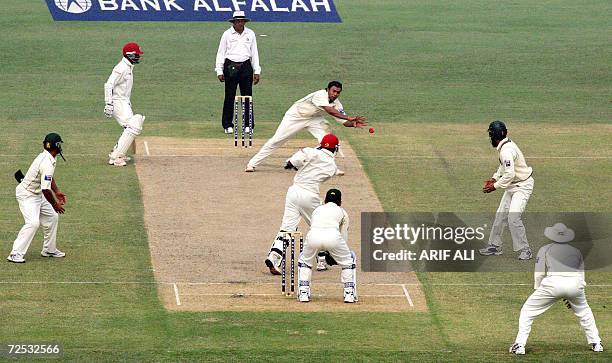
x,y
326,239
299,203
509,212
122,112
289,126
551,289
37,211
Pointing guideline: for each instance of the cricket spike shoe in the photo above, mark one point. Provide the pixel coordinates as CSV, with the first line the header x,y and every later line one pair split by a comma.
x,y
517,349
490,250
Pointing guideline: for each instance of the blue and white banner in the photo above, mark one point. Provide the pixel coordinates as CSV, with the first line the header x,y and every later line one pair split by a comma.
x,y
322,11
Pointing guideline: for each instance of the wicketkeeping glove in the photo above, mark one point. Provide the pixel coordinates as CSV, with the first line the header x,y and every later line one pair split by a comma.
x,y
488,185
108,110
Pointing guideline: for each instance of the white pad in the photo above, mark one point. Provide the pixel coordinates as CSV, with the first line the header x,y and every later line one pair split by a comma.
x,y
126,139
134,124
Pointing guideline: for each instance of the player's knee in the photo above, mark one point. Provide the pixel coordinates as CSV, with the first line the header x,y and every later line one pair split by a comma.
x,y
135,124
514,219
33,223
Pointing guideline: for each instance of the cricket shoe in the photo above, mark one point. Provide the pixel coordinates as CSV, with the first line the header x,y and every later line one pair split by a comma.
x,y
304,296
247,130
597,347
229,130
16,258
125,157
491,250
349,296
517,349
273,262
56,254
525,254
249,169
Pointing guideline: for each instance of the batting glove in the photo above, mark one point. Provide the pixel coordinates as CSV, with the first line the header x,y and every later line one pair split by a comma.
x,y
108,110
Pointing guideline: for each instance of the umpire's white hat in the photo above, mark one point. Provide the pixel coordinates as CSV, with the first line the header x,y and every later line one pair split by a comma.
x,y
559,233
239,15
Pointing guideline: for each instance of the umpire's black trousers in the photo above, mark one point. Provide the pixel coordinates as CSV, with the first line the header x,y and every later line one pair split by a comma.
x,y
236,74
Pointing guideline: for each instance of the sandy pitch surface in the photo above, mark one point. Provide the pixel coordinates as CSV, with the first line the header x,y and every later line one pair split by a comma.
x,y
210,226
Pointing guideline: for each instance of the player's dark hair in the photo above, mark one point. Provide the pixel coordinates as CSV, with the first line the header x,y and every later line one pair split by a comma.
x,y
334,84
334,196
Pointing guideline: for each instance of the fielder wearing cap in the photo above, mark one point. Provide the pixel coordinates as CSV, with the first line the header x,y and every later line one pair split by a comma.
x,y
237,64
308,113
117,93
40,201
328,232
559,274
514,176
314,166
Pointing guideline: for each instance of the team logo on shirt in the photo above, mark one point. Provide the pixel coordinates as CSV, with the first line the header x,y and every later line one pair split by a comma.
x,y
48,177
507,162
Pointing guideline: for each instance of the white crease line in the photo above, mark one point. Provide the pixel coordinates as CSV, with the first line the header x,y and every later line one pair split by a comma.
x,y
176,295
262,283
407,295
146,145
280,294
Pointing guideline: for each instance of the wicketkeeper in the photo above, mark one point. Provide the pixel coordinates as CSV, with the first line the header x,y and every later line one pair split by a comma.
x,y
514,176
328,232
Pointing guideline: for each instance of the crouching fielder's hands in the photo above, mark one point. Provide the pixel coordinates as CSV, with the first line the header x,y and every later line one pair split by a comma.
x,y
488,185
108,110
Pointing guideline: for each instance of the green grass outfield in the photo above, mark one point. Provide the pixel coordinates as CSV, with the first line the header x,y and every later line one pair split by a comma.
x,y
430,75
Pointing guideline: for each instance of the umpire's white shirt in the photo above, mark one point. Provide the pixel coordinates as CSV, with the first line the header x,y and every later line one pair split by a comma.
x,y
238,48
315,166
558,259
40,173
119,83
512,168
311,106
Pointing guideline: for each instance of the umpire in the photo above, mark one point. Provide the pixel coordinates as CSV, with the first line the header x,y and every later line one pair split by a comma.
x,y
237,64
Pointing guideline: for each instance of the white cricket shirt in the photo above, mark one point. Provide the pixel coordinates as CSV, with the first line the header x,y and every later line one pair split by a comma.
x,y
512,165
331,216
312,105
119,83
314,167
40,173
238,48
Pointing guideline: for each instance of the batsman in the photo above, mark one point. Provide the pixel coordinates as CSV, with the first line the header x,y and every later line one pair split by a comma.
x,y
314,166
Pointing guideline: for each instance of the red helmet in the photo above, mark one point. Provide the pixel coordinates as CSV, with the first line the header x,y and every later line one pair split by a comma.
x,y
133,48
329,141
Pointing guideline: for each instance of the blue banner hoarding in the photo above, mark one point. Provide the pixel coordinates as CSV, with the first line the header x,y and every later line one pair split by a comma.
x,y
323,11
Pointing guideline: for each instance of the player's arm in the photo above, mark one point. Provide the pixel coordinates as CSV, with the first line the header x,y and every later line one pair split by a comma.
x,y
61,197
297,160
255,61
221,57
540,267
46,185
344,226
109,86
507,169
350,121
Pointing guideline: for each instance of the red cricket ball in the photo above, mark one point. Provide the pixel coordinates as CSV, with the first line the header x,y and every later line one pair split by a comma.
x,y
371,130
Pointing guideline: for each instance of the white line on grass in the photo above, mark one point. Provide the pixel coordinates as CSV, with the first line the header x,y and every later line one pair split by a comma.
x,y
407,295
238,294
146,145
176,295
265,283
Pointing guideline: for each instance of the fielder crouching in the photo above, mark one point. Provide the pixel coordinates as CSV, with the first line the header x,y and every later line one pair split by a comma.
x,y
328,232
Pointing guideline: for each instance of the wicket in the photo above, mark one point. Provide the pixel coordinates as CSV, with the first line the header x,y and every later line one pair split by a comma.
x,y
290,243
242,100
